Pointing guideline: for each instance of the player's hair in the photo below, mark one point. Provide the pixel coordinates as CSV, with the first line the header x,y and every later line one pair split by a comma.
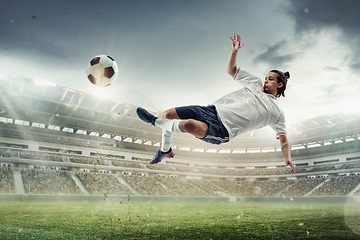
x,y
282,77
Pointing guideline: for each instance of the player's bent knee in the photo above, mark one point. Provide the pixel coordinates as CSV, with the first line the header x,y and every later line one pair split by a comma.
x,y
197,128
170,114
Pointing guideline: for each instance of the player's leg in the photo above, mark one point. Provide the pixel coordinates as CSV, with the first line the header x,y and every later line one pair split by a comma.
x,y
167,134
194,127
171,123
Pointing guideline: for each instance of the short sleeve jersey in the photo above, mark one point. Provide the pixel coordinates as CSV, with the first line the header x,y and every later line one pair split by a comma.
x,y
249,108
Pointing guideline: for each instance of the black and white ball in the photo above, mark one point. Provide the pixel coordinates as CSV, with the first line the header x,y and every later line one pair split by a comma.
x,y
102,70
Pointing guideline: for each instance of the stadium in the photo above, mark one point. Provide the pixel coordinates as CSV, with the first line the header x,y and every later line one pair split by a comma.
x,y
61,144
75,157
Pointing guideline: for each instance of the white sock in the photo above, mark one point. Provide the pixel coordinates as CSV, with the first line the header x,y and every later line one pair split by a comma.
x,y
171,125
166,140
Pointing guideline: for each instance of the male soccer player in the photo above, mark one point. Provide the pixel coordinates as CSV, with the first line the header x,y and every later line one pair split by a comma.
x,y
251,107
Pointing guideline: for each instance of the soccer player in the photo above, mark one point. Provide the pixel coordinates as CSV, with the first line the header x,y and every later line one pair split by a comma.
x,y
251,107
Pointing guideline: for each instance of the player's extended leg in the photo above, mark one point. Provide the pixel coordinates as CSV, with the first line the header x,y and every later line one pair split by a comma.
x,y
197,128
170,124
167,134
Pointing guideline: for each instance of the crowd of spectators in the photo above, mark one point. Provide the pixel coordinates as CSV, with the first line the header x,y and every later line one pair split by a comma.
x,y
337,186
40,156
6,180
245,172
316,169
127,164
60,182
253,188
88,160
100,184
182,187
207,185
220,171
147,185
141,159
160,167
43,181
11,145
107,156
185,169
54,155
4,153
302,186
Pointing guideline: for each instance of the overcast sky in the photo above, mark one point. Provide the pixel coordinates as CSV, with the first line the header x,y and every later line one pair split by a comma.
x,y
174,53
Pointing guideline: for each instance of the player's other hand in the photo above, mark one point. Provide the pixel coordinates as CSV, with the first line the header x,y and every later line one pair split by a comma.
x,y
236,42
291,164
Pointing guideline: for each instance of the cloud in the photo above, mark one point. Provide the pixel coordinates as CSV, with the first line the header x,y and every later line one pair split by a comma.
x,y
355,67
276,55
315,16
329,68
310,14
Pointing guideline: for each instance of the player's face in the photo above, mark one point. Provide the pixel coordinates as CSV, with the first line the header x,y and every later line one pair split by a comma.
x,y
271,85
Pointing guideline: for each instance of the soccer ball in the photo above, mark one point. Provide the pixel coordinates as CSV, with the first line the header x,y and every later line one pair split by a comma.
x,y
102,70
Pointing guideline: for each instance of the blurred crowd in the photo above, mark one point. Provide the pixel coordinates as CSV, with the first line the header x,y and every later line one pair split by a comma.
x,y
41,181
302,186
167,180
40,156
89,160
6,180
337,186
48,154
100,184
45,181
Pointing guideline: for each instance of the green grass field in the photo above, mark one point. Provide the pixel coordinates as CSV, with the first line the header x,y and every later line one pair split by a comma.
x,y
139,220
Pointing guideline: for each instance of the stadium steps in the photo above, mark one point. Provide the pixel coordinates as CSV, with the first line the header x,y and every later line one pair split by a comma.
x,y
79,184
168,188
18,181
351,193
198,188
318,186
132,189
224,190
284,189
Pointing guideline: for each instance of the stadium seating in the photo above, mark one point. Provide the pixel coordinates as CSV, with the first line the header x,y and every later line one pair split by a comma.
x,y
337,186
100,184
6,180
41,181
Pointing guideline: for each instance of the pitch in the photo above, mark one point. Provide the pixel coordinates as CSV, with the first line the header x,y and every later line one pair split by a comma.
x,y
139,220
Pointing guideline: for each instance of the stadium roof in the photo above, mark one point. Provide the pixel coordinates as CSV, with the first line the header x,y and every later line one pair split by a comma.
x,y
33,103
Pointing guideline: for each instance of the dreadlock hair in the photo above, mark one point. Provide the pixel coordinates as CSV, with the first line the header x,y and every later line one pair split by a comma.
x,y
282,77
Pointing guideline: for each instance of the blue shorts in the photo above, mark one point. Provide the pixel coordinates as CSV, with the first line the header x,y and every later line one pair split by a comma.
x,y
217,133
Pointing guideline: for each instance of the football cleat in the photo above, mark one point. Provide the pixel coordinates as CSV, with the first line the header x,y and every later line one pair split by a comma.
x,y
161,155
146,116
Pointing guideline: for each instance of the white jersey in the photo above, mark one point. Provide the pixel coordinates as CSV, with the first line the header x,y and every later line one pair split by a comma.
x,y
249,108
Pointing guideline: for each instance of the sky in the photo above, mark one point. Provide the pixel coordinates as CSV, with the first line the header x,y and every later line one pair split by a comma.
x,y
174,53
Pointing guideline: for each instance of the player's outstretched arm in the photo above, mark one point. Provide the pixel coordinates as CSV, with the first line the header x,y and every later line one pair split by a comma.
x,y
236,45
285,148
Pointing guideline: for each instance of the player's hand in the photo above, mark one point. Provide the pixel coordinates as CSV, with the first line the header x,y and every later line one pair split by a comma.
x,y
291,164
236,42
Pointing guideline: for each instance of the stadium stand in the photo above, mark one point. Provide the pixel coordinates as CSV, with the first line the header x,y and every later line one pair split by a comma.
x,y
41,181
92,161
69,142
302,186
100,184
336,186
6,180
